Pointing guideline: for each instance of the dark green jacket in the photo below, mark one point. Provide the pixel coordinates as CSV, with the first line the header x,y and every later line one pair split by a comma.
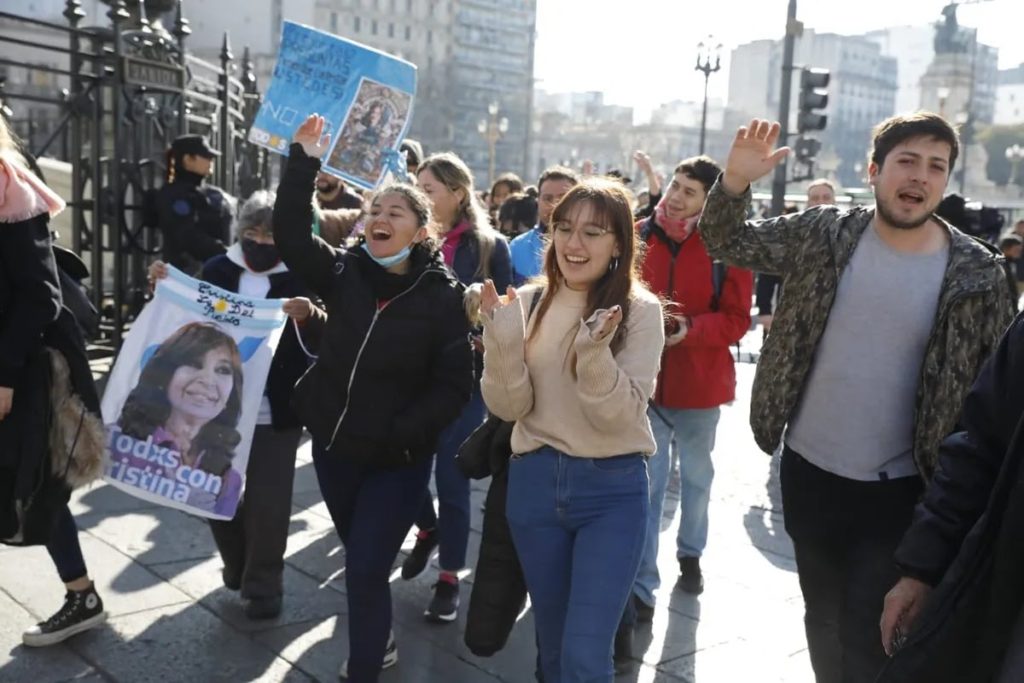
x,y
809,251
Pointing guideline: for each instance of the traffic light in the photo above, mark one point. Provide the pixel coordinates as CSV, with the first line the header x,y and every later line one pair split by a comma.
x,y
806,149
813,96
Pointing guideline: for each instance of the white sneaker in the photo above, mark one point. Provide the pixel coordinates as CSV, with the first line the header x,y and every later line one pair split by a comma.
x,y
390,658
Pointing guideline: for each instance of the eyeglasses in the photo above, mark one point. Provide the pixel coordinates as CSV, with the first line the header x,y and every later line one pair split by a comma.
x,y
564,230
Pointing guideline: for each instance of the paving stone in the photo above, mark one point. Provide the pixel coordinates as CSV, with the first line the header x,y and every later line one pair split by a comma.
x,y
181,644
124,585
104,498
319,648
155,535
304,598
39,665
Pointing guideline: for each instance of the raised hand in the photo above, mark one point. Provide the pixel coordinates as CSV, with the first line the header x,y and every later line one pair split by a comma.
x,y
490,301
311,136
753,155
606,323
643,162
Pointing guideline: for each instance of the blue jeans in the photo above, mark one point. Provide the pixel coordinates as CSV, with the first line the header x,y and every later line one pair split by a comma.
x,y
578,528
372,510
64,548
452,489
693,432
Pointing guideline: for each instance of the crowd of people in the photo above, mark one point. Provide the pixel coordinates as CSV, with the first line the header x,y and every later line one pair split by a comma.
x,y
597,326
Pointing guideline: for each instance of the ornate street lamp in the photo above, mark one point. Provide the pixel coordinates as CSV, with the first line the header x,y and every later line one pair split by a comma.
x,y
706,52
492,129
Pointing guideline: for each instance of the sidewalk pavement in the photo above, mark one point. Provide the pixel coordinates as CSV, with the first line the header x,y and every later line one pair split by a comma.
x,y
172,620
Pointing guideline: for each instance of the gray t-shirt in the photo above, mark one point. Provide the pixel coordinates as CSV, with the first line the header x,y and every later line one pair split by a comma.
x,y
856,415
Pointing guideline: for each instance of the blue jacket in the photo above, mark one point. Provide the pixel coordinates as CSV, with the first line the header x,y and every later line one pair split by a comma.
x,y
467,258
528,255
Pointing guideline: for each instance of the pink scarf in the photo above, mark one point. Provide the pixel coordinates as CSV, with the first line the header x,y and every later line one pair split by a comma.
x,y
676,229
23,195
451,242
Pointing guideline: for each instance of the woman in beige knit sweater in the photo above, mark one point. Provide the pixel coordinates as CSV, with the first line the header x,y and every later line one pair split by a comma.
x,y
573,360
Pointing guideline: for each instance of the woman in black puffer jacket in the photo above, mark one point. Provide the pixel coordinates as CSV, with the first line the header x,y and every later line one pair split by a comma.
x,y
394,368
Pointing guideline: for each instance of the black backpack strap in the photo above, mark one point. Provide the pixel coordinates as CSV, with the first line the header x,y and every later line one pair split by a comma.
x,y
645,230
533,303
719,270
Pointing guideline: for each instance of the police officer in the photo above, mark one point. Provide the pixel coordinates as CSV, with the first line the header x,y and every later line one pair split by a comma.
x,y
194,217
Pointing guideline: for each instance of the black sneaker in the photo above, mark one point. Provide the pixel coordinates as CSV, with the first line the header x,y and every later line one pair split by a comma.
x,y
644,612
444,607
622,656
416,563
82,611
390,658
690,578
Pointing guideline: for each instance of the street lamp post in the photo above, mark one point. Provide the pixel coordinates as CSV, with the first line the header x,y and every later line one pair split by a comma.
x,y
943,95
492,129
705,53
1015,154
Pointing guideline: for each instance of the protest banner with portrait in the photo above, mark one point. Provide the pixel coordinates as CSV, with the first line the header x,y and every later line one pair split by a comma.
x,y
181,403
364,94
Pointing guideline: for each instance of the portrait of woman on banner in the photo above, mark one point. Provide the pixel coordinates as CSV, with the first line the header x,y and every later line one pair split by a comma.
x,y
183,416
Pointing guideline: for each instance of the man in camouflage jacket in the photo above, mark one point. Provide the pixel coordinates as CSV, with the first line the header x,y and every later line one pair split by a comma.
x,y
845,528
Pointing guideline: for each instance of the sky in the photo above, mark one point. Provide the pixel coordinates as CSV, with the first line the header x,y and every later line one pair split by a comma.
x,y
641,53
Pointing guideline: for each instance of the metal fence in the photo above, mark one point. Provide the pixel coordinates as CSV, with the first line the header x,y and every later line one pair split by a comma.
x,y
108,101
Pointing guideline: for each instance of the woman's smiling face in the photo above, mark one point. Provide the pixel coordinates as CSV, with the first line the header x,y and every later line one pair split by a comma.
x,y
202,391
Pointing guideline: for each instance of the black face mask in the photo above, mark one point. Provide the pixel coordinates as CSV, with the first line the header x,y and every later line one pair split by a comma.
x,y
260,257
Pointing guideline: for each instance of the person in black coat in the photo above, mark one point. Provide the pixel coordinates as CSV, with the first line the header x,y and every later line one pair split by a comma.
x,y
40,351
474,251
957,613
194,217
393,369
252,545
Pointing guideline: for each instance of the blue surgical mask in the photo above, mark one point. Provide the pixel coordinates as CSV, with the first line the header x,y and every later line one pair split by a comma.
x,y
389,261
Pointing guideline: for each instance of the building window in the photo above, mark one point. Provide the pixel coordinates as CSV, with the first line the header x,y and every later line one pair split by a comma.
x,y
391,30
408,33
356,24
430,37
408,6
373,27
334,22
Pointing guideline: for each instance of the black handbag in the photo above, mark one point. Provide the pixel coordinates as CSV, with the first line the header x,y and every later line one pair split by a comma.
x,y
489,447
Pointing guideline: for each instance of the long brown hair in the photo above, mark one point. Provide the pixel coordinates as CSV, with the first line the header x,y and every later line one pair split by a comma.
x,y
610,204
455,175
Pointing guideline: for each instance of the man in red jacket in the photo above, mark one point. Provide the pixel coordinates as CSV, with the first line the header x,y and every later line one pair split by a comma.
x,y
709,306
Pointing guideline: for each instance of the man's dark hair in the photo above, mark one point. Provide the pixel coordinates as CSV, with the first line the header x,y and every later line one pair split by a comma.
x,y
558,173
703,169
1011,241
897,129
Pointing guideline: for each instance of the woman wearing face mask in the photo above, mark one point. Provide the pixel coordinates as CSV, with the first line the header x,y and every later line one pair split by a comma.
x,y
576,376
252,545
394,368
